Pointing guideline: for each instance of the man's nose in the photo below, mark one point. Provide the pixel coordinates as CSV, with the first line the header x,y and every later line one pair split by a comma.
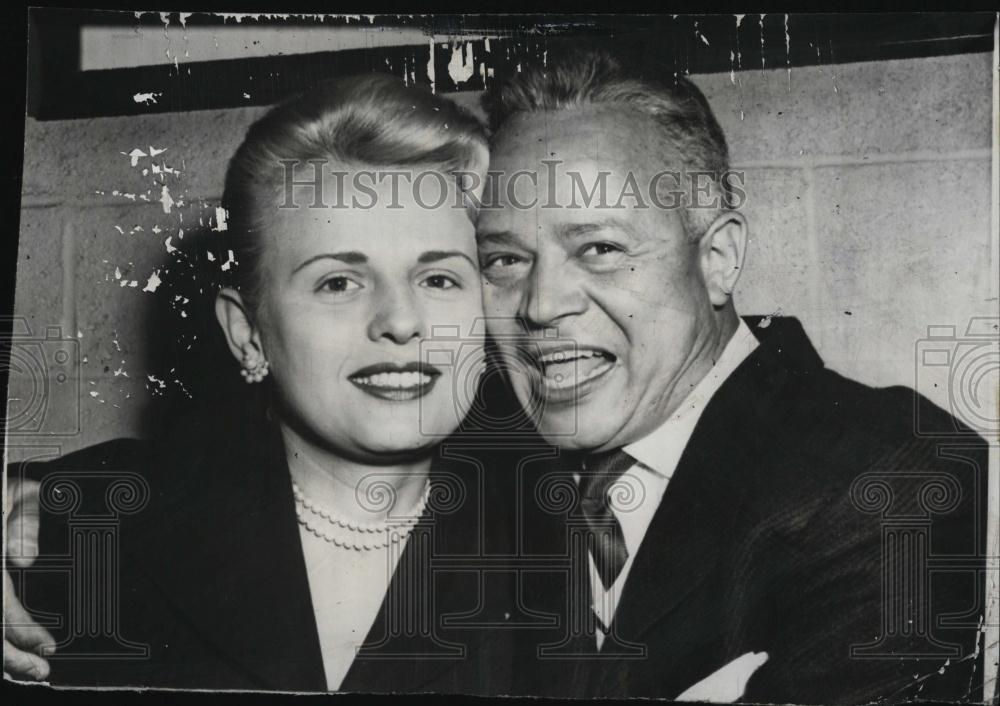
x,y
553,293
396,317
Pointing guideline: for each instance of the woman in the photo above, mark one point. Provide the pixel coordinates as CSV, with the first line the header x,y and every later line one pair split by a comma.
x,y
291,540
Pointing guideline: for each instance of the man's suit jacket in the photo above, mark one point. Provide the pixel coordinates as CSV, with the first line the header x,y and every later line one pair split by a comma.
x,y
806,519
210,579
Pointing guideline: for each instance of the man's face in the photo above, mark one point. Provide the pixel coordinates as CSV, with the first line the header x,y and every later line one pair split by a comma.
x,y
623,285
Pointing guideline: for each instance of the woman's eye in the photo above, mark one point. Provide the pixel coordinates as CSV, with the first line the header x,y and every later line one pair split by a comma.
x,y
339,285
439,282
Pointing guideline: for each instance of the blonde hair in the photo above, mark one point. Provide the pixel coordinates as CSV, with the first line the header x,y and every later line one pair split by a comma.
x,y
373,120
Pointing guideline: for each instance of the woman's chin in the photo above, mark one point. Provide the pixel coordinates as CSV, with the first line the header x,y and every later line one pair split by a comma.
x,y
398,441
408,425
379,433
380,451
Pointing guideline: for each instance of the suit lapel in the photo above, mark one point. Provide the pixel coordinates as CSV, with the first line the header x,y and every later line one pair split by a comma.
x,y
684,538
230,559
228,556
669,603
408,648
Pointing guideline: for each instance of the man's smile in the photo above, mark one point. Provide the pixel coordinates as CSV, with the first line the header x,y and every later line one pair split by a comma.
x,y
568,372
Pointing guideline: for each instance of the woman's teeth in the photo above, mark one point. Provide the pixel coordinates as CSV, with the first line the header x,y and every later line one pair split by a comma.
x,y
394,380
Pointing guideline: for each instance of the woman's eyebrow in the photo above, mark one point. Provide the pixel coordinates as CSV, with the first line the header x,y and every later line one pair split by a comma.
x,y
351,257
436,255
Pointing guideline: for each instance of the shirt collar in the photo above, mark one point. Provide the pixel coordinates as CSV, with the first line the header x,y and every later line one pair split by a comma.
x,y
660,450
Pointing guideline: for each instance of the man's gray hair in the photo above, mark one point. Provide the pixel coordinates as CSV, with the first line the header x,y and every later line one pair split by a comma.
x,y
593,76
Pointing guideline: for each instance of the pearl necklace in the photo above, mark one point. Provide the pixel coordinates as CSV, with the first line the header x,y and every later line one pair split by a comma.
x,y
350,534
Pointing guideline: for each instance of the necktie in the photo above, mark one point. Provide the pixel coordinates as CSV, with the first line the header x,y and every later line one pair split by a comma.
x,y
606,541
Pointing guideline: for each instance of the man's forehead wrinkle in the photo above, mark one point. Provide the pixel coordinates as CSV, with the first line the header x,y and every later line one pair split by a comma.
x,y
569,229
495,236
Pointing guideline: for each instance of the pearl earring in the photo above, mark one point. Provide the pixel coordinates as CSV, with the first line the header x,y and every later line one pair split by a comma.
x,y
254,370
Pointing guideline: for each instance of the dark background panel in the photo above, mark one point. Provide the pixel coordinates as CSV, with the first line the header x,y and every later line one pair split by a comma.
x,y
59,89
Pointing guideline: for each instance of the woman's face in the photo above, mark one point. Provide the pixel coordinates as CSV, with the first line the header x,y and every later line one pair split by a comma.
x,y
370,320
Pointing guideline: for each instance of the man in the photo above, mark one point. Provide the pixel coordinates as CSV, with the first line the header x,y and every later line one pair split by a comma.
x,y
737,503
733,501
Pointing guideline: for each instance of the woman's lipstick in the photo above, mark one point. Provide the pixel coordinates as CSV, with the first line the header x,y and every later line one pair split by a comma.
x,y
396,382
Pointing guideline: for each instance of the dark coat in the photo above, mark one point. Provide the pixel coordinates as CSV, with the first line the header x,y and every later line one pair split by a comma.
x,y
806,519
211,582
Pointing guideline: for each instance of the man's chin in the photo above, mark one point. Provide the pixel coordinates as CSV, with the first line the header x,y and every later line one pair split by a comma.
x,y
583,423
572,430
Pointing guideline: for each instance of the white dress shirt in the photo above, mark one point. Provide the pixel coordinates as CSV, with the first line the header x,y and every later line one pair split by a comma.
x,y
657,455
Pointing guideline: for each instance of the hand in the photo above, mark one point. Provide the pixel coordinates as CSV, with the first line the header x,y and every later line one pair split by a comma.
x,y
727,684
23,638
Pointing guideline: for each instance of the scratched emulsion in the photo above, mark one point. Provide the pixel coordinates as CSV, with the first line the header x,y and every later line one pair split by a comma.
x,y
177,269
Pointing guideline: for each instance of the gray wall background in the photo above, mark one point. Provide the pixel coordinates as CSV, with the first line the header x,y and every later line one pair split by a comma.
x,y
868,200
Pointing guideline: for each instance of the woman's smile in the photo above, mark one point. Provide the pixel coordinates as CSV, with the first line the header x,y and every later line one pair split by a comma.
x,y
396,382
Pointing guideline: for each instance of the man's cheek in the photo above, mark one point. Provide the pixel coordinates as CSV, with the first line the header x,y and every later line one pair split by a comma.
x,y
500,301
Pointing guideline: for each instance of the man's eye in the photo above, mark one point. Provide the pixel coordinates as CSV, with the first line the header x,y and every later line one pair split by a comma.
x,y
439,282
600,249
339,285
501,261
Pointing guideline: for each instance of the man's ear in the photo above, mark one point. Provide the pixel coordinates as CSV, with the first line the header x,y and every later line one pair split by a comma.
x,y
721,252
238,326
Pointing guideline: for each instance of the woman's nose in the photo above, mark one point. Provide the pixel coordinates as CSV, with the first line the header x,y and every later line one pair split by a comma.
x,y
396,317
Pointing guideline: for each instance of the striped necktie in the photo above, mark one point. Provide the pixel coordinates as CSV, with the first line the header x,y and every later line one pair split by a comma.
x,y
605,541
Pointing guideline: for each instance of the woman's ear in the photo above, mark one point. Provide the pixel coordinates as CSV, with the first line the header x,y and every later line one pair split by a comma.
x,y
722,249
238,326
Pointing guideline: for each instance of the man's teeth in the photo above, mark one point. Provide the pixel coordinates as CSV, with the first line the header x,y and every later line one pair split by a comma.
x,y
397,380
564,369
565,356
559,381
